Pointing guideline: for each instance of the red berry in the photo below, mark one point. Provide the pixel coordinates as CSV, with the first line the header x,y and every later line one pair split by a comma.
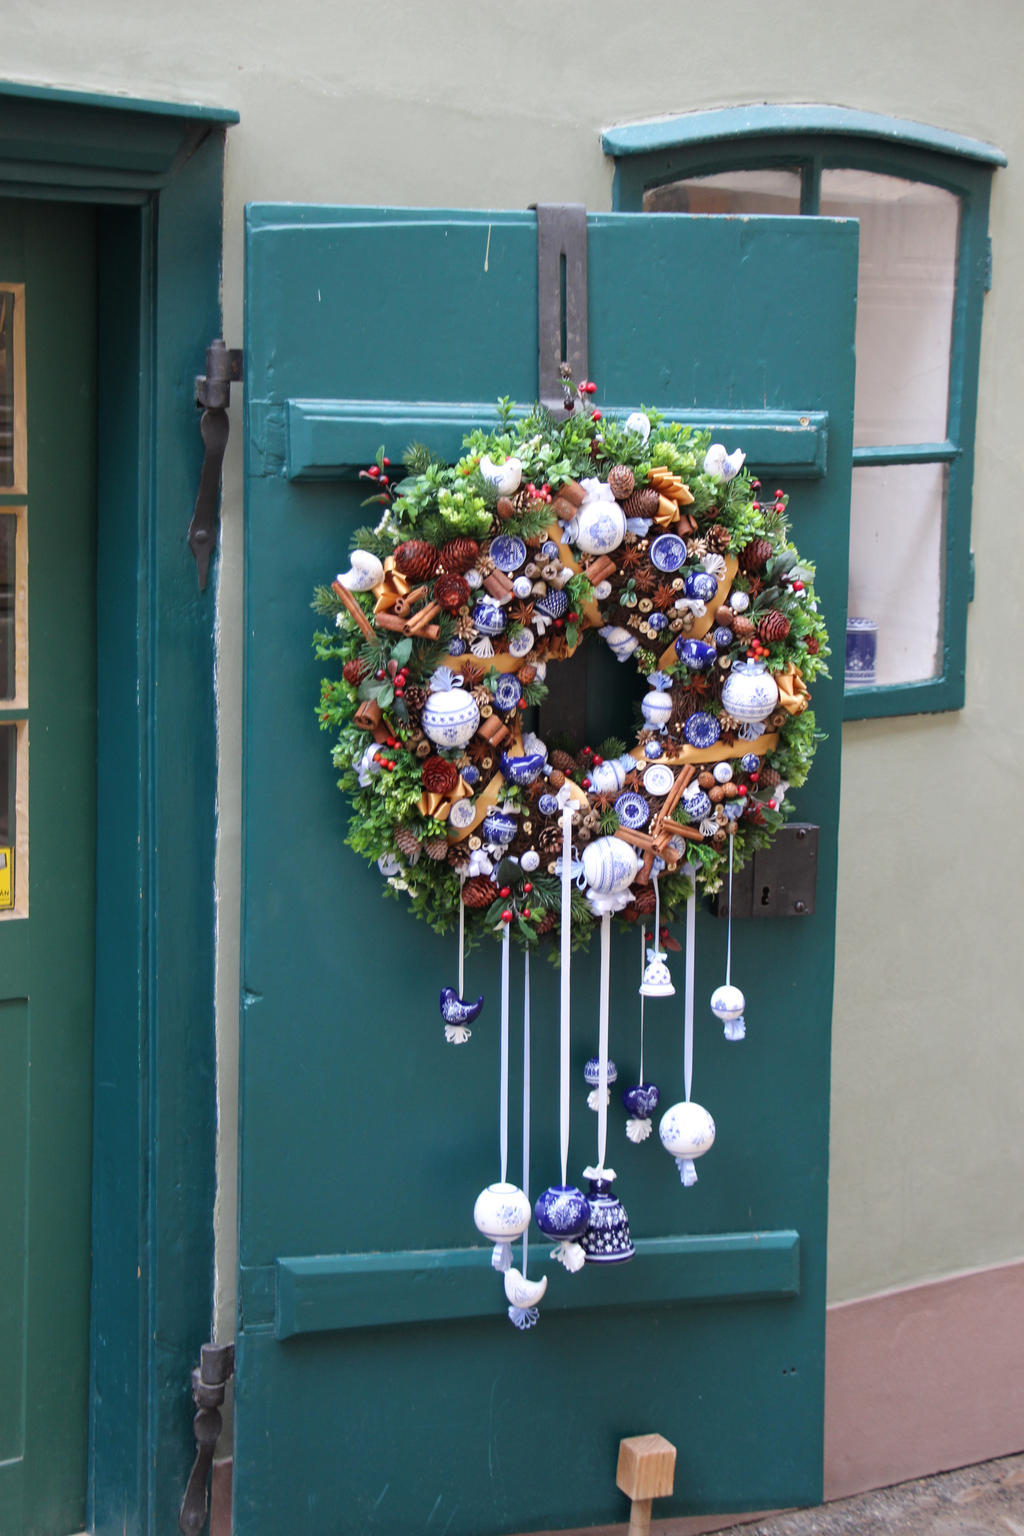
x,y
572,616
598,759
384,480
742,789
778,495
392,741
595,415
756,505
527,887
771,805
506,916
588,751
387,462
755,485
399,691
381,675
591,387
505,891
798,586
526,911
586,783
546,489
754,778
374,471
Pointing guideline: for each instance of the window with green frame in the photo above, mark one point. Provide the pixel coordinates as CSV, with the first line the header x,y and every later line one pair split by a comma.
x,y
921,195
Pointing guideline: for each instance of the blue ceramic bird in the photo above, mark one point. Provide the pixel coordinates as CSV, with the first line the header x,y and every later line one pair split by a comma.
x,y
457,1015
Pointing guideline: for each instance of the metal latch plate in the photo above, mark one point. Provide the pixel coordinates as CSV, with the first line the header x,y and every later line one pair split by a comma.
x,y
780,881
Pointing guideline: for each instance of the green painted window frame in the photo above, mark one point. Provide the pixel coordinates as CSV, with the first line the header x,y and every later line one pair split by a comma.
x,y
809,140
154,172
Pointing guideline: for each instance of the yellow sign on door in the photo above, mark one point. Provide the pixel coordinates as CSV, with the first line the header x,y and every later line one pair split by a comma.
x,y
6,883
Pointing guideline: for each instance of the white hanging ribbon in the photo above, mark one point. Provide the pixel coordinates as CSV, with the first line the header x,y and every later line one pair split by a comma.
x,y
728,926
602,1045
503,1088
691,950
526,1094
563,1063
643,967
462,941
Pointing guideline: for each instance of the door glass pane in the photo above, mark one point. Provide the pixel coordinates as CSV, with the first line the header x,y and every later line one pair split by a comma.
x,y
909,232
767,191
6,390
8,789
8,580
896,574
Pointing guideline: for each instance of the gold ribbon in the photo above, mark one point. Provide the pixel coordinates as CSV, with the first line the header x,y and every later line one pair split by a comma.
x,y
667,514
794,695
438,806
394,586
719,753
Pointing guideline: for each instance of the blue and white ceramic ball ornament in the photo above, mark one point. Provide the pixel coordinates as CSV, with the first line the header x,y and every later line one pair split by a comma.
x,y
599,526
687,1131
750,693
502,1213
562,1213
450,715
727,1004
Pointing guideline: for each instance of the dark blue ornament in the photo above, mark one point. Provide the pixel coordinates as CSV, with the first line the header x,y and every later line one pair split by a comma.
x,y
702,730
607,1239
701,585
695,654
562,1212
455,1010
642,1100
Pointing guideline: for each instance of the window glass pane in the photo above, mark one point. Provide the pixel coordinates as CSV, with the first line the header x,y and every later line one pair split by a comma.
x,y
906,279
8,762
768,191
6,390
896,574
8,579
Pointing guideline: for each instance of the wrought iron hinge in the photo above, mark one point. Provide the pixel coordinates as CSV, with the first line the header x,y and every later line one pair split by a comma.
x,y
213,394
561,302
209,1384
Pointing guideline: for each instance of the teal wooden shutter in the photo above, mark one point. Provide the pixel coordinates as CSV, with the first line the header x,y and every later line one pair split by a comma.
x,y
380,1386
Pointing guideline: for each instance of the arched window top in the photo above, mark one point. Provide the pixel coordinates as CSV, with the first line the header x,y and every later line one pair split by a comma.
x,y
692,129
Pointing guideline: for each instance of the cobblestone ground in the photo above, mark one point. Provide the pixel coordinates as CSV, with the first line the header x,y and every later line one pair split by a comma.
x,y
986,1500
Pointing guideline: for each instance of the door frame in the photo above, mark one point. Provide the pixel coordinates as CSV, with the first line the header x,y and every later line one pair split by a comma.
x,y
154,171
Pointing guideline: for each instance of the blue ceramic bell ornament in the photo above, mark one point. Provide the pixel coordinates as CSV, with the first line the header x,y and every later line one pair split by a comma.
x,y
727,1004
562,1213
687,1131
502,1213
641,1101
592,1077
657,980
607,1239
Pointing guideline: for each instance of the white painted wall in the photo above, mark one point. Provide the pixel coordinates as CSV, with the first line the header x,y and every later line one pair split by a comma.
x,y
476,104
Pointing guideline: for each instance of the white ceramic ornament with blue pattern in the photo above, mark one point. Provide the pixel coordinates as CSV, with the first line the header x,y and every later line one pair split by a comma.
x,y
750,693
450,715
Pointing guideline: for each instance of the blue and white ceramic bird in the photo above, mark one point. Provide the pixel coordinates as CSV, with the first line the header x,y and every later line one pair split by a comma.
x,y
458,1015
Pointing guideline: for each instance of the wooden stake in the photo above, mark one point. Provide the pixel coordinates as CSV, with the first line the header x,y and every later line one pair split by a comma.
x,y
646,1471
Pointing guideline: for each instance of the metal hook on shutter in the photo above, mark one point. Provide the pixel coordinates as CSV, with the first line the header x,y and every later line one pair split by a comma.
x,y
213,393
561,301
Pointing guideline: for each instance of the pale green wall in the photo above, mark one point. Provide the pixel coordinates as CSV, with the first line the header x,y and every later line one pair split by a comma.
x,y
493,106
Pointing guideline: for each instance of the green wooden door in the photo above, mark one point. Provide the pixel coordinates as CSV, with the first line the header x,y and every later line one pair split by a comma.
x,y
376,1392
47,835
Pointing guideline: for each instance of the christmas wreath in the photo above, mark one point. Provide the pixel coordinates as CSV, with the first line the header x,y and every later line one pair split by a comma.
x,y
479,577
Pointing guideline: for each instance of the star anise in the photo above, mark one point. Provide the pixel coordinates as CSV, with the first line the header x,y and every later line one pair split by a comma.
x,y
521,613
756,583
472,672
664,594
480,751
604,802
631,558
644,580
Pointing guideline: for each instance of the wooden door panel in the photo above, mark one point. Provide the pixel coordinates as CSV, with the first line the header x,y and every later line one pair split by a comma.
x,y
363,1288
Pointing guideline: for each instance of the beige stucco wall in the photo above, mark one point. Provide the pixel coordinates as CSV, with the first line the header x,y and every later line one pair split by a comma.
x,y
473,104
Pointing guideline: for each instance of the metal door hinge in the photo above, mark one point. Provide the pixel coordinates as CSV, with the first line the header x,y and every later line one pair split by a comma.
x,y
213,393
209,1384
561,303
780,881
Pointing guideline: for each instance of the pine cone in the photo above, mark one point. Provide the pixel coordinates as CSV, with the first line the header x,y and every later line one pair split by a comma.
x,y
439,776
769,777
556,778
436,848
547,922
774,626
621,481
505,508
407,842
550,840
743,628
479,891
458,555
563,760
416,559
528,672
719,538
354,671
813,645
451,592
755,556
644,900
642,503
415,696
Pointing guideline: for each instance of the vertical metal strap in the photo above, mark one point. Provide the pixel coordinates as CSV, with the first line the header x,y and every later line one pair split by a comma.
x,y
561,299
